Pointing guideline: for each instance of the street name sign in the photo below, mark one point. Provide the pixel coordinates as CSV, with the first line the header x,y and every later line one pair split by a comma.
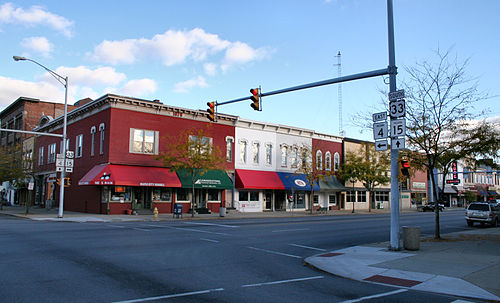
x,y
398,128
382,116
397,143
381,145
399,94
380,130
397,109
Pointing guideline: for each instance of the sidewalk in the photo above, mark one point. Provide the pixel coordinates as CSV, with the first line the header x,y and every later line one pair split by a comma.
x,y
465,264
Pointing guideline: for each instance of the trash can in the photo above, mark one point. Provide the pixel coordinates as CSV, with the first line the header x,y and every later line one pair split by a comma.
x,y
177,210
411,237
222,211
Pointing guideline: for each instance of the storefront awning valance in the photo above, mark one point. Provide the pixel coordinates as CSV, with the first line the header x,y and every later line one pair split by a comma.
x,y
216,179
492,193
331,183
254,179
126,175
296,182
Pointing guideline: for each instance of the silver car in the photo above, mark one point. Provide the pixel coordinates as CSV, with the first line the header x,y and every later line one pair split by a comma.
x,y
483,212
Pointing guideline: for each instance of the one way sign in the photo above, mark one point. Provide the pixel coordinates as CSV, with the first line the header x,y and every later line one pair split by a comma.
x,y
381,145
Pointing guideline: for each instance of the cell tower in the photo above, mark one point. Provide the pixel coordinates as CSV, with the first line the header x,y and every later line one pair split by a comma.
x,y
339,69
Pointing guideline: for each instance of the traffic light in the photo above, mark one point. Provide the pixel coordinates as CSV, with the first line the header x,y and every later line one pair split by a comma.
x,y
255,98
405,166
67,182
211,111
58,181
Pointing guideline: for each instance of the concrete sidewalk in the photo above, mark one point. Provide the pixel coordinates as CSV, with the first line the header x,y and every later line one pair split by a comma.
x,y
465,264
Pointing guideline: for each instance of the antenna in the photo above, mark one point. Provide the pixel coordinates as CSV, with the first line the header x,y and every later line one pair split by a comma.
x,y
339,69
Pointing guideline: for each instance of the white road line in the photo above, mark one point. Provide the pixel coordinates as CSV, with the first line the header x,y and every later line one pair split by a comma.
x,y
209,240
191,293
199,230
141,229
376,296
308,247
283,281
117,226
275,252
212,224
152,225
288,230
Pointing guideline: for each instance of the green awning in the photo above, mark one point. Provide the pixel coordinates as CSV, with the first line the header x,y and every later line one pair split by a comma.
x,y
215,179
331,183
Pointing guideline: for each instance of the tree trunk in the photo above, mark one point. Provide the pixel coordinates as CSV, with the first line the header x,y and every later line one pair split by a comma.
x,y
311,200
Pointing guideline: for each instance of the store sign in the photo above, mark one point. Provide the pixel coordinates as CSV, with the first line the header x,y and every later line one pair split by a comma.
x,y
300,183
420,185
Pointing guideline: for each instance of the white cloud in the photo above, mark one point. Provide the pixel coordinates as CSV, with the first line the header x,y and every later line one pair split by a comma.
x,y
34,16
138,87
38,44
11,89
210,69
184,87
82,75
176,47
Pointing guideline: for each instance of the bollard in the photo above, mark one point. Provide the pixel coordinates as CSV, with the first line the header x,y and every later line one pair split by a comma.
x,y
411,238
155,212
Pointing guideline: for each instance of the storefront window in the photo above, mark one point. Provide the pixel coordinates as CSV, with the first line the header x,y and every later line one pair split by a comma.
x,y
162,194
248,196
213,195
104,194
301,201
332,199
182,194
254,196
361,196
121,194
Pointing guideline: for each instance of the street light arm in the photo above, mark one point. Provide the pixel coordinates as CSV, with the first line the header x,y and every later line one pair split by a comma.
x,y
58,77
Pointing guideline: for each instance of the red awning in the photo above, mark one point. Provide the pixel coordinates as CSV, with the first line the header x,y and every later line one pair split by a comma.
x,y
258,179
111,174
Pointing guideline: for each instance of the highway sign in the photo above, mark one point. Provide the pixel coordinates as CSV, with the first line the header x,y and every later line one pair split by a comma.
x,y
399,94
379,116
69,162
69,169
60,156
398,128
381,145
59,168
397,143
59,162
380,130
70,154
397,109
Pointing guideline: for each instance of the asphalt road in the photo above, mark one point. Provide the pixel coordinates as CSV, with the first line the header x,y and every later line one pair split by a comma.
x,y
243,260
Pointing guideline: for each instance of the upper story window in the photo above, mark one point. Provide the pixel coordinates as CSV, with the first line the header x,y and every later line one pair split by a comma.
x,y
328,161
51,157
293,157
78,146
143,141
229,149
92,142
336,161
40,155
243,151
200,145
256,149
269,154
284,154
319,160
101,140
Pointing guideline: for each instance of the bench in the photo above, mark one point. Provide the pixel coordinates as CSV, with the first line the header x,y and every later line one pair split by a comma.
x,y
322,210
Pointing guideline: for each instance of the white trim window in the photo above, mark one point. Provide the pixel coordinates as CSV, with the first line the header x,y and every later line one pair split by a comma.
x,y
319,160
79,146
269,154
284,154
201,145
243,151
328,161
256,152
336,161
294,157
229,149
40,155
92,144
51,157
144,141
101,139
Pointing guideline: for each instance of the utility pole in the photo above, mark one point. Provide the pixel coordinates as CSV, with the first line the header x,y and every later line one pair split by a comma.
x,y
339,96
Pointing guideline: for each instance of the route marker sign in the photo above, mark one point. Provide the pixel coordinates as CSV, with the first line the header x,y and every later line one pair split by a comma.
x,y
381,145
397,109
382,116
397,143
398,128
399,94
380,130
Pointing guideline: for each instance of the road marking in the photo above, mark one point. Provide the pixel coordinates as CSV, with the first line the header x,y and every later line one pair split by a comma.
x,y
212,224
376,296
117,226
191,293
275,252
141,229
283,281
308,247
209,240
199,230
152,225
287,230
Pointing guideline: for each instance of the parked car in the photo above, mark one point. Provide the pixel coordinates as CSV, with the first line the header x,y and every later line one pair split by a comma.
x,y
483,212
430,206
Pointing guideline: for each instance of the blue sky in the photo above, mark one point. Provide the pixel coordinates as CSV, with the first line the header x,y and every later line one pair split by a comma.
x,y
187,53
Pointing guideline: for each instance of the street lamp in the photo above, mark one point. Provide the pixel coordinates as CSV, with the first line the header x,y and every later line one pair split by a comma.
x,y
63,81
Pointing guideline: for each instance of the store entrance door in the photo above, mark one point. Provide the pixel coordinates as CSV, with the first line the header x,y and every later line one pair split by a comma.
x,y
142,197
269,200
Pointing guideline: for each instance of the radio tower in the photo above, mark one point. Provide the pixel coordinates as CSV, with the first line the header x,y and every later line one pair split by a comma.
x,y
339,69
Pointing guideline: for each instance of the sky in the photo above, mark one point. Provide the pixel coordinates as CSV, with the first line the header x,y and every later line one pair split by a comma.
x,y
187,53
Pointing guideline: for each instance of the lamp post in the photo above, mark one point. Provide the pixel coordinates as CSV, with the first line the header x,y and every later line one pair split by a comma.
x,y
63,81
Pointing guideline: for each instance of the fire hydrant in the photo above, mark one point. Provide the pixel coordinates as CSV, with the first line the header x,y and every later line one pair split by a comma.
x,y
155,212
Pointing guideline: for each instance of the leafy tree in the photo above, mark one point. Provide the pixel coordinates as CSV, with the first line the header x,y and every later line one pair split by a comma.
x,y
307,164
192,152
439,111
368,167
